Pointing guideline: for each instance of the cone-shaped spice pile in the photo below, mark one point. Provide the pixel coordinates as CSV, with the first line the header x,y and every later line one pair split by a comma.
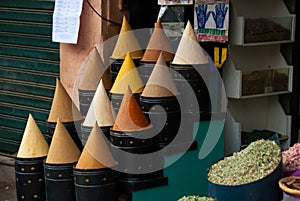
x,y
160,83
33,144
158,43
128,75
96,154
63,149
189,51
100,109
127,42
95,71
130,117
63,107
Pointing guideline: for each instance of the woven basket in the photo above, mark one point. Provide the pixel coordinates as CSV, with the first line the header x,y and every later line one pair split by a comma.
x,y
283,184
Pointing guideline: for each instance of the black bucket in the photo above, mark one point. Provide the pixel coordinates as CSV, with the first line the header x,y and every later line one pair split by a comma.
x,y
59,182
146,69
86,130
116,100
266,188
164,119
94,185
190,75
29,174
71,128
85,99
116,65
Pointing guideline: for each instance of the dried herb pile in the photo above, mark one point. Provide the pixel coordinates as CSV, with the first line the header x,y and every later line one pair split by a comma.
x,y
255,162
195,198
291,158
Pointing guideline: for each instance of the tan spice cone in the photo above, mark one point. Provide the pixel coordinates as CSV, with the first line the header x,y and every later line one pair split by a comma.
x,y
128,75
130,116
189,51
63,107
96,153
63,149
157,43
160,83
100,109
33,144
95,70
127,42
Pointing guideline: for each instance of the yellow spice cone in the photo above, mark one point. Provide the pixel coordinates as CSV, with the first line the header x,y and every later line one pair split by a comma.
x,y
95,70
33,144
130,117
189,51
160,83
100,109
128,75
63,149
158,43
63,107
96,153
127,42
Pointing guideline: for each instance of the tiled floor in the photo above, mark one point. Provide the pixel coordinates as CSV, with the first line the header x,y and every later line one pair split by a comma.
x,y
7,179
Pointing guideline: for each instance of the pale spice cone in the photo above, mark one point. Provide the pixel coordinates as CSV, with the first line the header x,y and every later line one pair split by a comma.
x,y
127,42
128,75
160,82
100,109
63,107
189,51
63,149
33,144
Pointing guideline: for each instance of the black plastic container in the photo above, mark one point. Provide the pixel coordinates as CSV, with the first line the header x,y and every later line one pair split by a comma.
x,y
145,70
116,65
116,100
190,75
86,130
85,99
59,182
71,127
164,119
97,184
266,188
29,174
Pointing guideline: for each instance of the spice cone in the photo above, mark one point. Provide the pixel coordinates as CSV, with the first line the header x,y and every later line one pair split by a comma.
x,y
128,75
189,51
160,83
95,70
33,144
127,42
63,107
100,109
157,43
130,116
96,153
63,149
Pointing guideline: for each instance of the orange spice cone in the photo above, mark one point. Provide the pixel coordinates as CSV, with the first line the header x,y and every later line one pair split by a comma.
x,y
127,42
130,116
63,107
96,154
128,75
33,144
189,51
63,149
95,70
157,43
160,83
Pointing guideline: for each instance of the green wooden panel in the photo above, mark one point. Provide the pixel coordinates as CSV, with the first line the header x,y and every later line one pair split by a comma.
x,y
10,133
28,75
25,15
25,99
22,62
37,29
9,146
29,52
34,4
29,40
